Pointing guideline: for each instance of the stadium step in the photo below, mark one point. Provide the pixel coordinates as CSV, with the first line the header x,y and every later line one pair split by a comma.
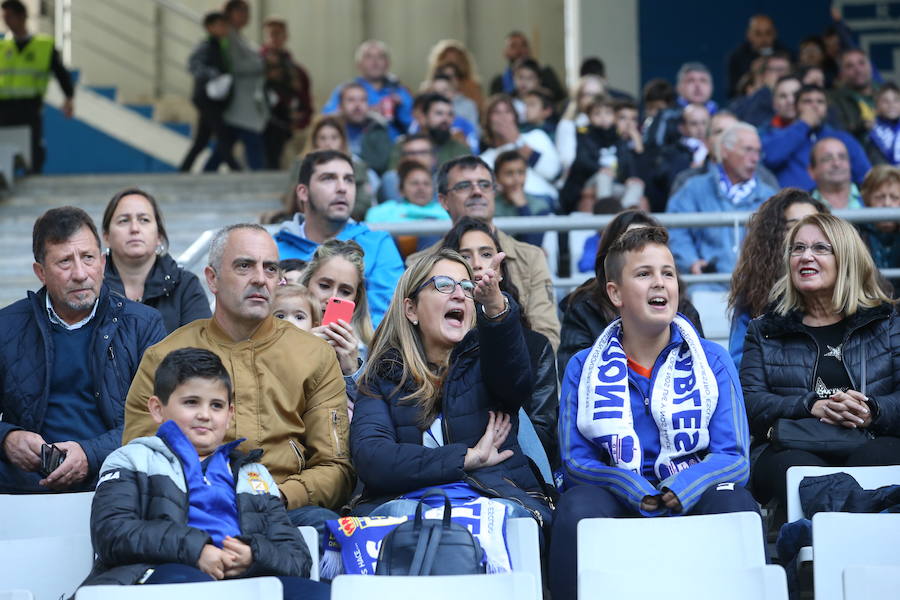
x,y
190,204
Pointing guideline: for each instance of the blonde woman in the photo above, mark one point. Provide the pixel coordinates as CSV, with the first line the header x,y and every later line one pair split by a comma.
x,y
438,402
829,352
455,53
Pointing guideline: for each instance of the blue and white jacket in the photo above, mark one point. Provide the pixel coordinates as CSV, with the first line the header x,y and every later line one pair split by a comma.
x,y
726,459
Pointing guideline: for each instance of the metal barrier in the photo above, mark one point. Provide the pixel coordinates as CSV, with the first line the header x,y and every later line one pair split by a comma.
x,y
194,258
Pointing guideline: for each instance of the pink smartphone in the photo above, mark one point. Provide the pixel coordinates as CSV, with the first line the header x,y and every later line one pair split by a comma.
x,y
337,309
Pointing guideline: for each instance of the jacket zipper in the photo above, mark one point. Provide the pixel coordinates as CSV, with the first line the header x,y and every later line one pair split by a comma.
x,y
481,487
334,432
296,450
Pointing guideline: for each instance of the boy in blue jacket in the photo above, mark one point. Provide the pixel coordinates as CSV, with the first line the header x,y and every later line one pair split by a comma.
x,y
181,506
651,419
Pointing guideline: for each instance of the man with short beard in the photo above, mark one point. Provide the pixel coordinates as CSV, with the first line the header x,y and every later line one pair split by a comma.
x,y
438,111
67,355
289,394
367,134
854,99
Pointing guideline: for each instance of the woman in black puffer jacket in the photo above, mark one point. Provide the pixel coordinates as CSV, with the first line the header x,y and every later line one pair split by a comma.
x,y
829,353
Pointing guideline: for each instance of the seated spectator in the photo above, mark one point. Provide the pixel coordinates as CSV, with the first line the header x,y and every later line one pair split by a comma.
x,y
478,244
417,200
628,449
291,268
501,133
575,116
511,200
367,134
295,304
827,354
413,146
829,166
325,198
756,108
695,86
812,76
67,354
527,78
657,95
452,56
466,188
600,206
463,131
515,49
853,98
787,151
138,264
881,189
687,153
440,397
732,186
384,92
812,56
182,506
438,119
539,112
761,41
628,124
288,390
882,143
761,262
337,271
446,83
588,310
784,104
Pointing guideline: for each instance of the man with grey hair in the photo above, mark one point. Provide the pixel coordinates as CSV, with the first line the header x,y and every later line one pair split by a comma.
x,y
289,394
733,185
694,86
386,95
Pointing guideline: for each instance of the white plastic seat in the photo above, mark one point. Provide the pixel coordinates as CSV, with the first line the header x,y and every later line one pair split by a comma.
x,y
766,582
49,567
311,537
846,539
254,588
728,541
712,306
16,595
867,582
440,587
45,515
523,543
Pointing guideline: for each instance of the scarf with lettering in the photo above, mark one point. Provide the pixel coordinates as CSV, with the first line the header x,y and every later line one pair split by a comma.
x,y
684,395
886,137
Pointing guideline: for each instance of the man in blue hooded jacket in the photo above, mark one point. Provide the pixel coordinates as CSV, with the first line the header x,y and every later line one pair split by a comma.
x,y
326,194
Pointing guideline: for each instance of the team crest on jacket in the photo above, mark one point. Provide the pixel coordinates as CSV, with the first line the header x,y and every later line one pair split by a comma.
x,y
257,483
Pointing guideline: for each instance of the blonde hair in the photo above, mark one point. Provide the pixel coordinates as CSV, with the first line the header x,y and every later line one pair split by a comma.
x,y
295,290
857,281
396,335
467,71
877,177
355,255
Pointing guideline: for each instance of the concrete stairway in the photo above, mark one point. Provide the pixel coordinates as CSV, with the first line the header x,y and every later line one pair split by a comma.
x,y
190,204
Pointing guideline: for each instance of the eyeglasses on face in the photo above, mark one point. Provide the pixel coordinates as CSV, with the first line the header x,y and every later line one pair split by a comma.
x,y
466,187
819,249
446,285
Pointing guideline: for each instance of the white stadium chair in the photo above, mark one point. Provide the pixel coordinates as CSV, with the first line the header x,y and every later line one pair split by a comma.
x,y
49,567
254,588
311,537
767,582
871,582
45,515
512,586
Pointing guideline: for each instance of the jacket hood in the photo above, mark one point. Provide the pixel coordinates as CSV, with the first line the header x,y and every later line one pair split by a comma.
x,y
161,281
774,324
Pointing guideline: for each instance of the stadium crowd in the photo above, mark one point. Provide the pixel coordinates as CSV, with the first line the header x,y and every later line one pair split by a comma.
x,y
369,369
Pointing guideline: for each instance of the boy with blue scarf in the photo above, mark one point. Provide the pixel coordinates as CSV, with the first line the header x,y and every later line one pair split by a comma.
x,y
651,420
181,506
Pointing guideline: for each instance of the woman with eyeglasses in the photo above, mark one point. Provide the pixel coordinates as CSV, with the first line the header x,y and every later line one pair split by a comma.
x,y
824,365
438,401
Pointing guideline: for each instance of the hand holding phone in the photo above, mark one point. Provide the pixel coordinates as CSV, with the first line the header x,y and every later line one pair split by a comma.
x,y
337,309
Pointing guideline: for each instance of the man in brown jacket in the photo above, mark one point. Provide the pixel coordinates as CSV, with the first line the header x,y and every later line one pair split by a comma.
x,y
289,394
466,188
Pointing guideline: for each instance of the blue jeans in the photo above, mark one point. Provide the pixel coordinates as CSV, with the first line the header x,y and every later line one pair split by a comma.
x,y
295,588
403,508
313,516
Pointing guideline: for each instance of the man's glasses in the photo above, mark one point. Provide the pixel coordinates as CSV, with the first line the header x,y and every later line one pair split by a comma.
x,y
819,249
446,285
466,187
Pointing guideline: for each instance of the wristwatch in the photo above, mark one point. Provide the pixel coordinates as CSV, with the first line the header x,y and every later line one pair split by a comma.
x,y
500,314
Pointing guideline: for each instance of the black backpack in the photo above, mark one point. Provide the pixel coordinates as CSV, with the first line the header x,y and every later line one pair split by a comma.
x,y
430,546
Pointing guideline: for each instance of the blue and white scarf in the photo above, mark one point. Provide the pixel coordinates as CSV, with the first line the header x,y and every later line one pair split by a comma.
x,y
683,398
736,192
886,137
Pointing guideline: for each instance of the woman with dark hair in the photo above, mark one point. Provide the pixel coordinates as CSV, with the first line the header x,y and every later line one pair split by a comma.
x,y
476,242
138,265
760,264
588,310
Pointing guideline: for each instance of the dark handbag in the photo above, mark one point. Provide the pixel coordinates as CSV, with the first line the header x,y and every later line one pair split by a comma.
x,y
430,546
816,437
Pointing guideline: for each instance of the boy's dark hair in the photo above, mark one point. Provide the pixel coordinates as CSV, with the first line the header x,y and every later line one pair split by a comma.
x,y
291,264
659,90
431,98
508,157
212,17
527,63
592,65
809,89
467,161
314,159
16,7
56,226
624,103
543,95
600,102
631,241
188,363
408,166
887,86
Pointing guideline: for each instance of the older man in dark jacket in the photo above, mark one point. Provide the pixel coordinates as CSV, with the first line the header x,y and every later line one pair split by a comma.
x,y
67,357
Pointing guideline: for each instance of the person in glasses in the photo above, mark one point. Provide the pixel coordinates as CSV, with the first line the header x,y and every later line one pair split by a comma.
x,y
467,188
829,350
439,398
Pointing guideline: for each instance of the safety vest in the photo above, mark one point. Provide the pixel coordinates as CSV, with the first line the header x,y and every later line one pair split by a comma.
x,y
25,73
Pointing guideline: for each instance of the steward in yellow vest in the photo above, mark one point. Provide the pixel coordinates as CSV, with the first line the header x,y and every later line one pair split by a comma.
x,y
25,73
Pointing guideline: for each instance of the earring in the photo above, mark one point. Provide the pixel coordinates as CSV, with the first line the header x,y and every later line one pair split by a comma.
x,y
160,250
415,323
